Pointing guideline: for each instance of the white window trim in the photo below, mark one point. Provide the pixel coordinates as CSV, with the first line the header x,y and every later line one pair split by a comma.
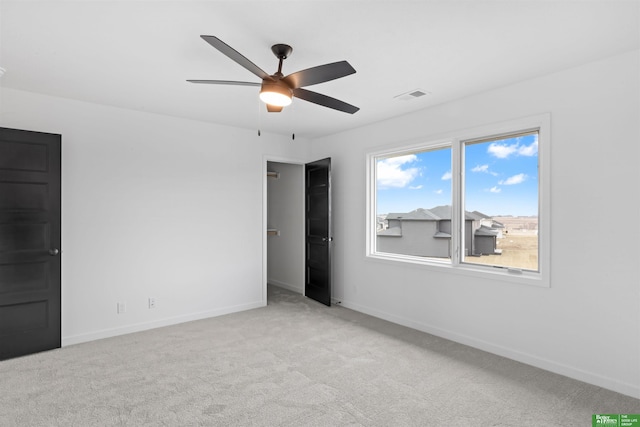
x,y
541,123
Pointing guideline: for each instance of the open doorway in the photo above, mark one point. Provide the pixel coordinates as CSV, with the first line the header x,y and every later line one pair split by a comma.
x,y
285,238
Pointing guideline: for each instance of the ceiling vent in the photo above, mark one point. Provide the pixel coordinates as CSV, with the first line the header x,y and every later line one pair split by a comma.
x,y
412,94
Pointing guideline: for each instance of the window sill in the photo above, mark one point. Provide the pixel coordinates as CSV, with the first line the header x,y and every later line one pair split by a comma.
x,y
470,270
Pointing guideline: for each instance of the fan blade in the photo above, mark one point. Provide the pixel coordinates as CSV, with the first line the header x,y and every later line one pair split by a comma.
x,y
324,100
274,108
224,82
319,74
236,56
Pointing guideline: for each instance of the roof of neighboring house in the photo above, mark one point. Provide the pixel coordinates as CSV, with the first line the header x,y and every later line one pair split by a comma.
x,y
419,214
442,212
435,214
483,230
442,235
480,215
391,231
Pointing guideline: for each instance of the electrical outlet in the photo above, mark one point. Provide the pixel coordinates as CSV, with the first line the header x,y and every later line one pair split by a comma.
x,y
152,302
122,307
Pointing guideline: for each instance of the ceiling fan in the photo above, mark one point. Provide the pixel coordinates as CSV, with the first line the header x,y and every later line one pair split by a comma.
x,y
276,90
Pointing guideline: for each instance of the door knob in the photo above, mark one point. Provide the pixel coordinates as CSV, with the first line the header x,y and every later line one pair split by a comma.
x,y
54,251
327,239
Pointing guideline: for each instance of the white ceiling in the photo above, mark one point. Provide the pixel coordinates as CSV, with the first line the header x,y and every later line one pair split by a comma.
x,y
138,54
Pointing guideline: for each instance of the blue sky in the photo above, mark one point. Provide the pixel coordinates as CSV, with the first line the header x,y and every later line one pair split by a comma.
x,y
501,178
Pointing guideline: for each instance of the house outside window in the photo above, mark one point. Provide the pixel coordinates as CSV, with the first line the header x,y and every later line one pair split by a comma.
x,y
475,202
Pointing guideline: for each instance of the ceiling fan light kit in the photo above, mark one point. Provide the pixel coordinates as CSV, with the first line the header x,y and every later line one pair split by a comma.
x,y
275,93
276,90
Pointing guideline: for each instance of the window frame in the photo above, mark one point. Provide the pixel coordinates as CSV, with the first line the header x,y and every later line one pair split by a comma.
x,y
456,140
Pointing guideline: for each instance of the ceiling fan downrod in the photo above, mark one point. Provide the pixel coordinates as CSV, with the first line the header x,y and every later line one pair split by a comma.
x,y
282,52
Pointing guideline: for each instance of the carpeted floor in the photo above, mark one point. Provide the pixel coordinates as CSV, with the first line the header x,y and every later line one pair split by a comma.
x,y
292,363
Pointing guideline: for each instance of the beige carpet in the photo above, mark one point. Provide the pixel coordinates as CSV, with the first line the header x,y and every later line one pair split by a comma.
x,y
292,363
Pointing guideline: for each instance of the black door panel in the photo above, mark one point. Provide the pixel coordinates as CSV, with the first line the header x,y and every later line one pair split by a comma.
x,y
318,231
30,291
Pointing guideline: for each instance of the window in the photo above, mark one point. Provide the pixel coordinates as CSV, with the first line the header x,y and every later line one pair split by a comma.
x,y
501,201
410,188
475,202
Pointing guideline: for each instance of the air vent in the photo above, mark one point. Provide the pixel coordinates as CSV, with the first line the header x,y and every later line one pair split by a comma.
x,y
412,94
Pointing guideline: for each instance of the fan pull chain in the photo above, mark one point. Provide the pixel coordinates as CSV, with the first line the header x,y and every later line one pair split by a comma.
x,y
259,117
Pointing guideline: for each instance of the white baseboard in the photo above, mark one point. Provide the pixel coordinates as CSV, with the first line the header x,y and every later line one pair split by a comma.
x,y
138,327
287,286
628,389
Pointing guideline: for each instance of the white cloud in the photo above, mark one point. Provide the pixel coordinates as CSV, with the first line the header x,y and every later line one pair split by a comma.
x,y
502,151
529,150
417,187
438,191
483,169
390,172
515,179
446,176
495,189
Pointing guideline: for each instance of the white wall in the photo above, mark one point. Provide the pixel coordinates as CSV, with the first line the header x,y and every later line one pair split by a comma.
x,y
152,207
286,214
587,325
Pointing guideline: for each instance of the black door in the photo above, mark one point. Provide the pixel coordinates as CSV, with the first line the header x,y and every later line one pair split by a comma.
x,y
318,231
29,242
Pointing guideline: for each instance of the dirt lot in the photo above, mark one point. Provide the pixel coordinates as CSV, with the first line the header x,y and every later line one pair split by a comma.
x,y
519,250
518,223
